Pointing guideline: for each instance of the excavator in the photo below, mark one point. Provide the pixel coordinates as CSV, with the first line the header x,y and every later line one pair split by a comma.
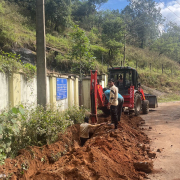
x,y
126,79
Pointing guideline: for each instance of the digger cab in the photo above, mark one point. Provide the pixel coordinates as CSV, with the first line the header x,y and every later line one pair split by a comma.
x,y
124,77
127,78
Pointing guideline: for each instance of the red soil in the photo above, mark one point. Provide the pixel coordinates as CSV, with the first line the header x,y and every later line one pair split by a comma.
x,y
108,155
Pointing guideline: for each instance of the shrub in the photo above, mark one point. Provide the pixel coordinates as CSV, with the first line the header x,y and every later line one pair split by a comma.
x,y
40,127
30,70
76,114
10,62
22,127
9,129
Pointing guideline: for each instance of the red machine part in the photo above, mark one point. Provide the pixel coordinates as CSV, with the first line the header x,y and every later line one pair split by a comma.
x,y
142,93
93,95
97,97
129,99
100,96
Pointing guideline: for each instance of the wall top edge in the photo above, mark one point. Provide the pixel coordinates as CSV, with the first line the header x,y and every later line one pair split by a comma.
x,y
72,76
53,74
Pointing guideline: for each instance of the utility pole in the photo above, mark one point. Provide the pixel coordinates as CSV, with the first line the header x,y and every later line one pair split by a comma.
x,y
41,54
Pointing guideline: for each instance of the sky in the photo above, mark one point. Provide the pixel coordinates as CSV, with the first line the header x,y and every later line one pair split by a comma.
x,y
170,9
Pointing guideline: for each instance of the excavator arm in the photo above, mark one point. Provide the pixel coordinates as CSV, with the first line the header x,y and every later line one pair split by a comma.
x,y
96,95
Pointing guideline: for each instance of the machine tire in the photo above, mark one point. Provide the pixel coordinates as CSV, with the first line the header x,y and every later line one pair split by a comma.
x,y
137,104
145,107
106,111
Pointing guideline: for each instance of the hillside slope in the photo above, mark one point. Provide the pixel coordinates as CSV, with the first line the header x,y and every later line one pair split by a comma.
x,y
18,31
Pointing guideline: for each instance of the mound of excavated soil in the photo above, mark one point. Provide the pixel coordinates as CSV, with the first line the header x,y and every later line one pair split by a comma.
x,y
108,155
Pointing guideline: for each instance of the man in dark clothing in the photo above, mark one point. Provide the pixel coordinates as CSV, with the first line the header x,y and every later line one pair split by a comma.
x,y
113,102
120,102
120,106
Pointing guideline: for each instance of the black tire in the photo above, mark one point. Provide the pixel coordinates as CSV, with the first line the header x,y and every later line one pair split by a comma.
x,y
145,107
137,104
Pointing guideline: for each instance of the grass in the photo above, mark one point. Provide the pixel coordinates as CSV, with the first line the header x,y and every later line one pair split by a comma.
x,y
13,26
59,42
23,127
11,63
144,57
169,98
18,30
162,82
168,81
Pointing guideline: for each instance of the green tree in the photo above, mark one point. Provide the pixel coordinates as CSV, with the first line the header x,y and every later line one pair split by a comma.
x,y
112,33
58,14
84,12
169,42
81,51
143,19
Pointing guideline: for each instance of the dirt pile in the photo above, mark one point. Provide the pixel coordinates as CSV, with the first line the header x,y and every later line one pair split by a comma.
x,y
107,155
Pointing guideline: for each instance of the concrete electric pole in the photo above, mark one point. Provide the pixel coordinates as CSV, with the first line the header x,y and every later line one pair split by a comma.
x,y
41,53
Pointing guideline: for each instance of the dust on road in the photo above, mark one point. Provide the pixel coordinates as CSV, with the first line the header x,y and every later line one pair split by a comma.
x,y
165,136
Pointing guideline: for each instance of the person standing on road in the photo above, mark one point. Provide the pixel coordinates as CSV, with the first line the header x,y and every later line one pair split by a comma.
x,y
84,130
113,102
120,102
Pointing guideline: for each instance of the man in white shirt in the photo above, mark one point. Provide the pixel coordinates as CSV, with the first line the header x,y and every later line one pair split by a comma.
x,y
84,130
113,102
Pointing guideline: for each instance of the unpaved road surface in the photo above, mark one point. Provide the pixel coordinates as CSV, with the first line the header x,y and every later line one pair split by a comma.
x,y
165,135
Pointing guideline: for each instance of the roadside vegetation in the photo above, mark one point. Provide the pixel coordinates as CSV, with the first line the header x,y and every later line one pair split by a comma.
x,y
11,63
22,127
101,35
79,38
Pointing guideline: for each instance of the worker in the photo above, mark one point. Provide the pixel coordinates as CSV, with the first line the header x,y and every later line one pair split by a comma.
x,y
120,102
85,129
120,79
119,82
113,102
120,106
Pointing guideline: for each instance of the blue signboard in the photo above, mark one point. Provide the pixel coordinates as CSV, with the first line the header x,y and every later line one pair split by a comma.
x,y
61,89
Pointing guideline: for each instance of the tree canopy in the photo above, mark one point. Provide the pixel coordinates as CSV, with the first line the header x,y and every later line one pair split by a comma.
x,y
142,19
169,42
105,33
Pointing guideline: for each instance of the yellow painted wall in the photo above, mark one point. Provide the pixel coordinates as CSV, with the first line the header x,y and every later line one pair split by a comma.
x,y
71,91
14,90
86,101
16,83
52,84
86,93
76,92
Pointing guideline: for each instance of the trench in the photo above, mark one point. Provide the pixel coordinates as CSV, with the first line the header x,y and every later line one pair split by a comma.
x,y
106,154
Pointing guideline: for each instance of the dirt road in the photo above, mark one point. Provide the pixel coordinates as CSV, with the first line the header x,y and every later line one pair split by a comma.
x,y
165,135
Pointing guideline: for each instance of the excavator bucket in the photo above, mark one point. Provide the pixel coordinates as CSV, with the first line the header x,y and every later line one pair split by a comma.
x,y
152,100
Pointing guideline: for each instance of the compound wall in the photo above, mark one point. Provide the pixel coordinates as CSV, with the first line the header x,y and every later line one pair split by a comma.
x,y
15,90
